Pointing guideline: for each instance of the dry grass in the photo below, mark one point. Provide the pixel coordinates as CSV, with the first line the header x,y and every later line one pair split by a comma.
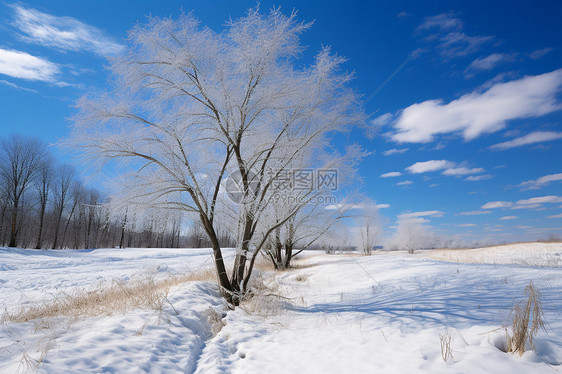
x,y
263,263
264,298
446,351
526,320
107,298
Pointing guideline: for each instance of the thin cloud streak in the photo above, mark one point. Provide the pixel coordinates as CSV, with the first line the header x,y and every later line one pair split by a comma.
x,y
532,138
538,183
65,33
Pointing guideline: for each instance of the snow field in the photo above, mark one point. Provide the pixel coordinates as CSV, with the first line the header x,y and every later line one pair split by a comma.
x,y
384,313
525,254
331,314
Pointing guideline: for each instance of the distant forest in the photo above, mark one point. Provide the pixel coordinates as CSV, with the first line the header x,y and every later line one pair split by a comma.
x,y
44,204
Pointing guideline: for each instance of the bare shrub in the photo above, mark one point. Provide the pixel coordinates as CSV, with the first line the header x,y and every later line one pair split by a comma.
x,y
27,364
264,298
526,319
446,351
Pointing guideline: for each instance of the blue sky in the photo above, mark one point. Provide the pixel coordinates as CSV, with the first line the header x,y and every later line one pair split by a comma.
x,y
465,96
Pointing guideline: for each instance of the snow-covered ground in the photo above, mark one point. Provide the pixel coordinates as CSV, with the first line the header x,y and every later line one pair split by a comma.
x,y
526,254
332,314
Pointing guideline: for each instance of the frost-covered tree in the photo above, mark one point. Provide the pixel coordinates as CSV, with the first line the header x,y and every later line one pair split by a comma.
x,y
411,234
369,226
300,232
190,107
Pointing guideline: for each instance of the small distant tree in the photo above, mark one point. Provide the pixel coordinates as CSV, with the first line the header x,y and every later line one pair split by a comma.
x,y
300,232
313,219
411,234
369,226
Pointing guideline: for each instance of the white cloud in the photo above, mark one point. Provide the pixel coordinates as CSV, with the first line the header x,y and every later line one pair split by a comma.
x,y
527,206
457,44
444,21
64,33
451,168
541,200
394,151
540,53
13,85
382,120
416,220
428,213
391,174
534,137
540,182
509,217
445,30
476,178
534,202
555,216
497,204
466,225
477,113
462,171
404,183
487,63
475,212
22,65
344,207
428,166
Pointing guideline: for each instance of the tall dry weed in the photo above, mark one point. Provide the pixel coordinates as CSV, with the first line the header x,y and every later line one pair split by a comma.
x,y
526,319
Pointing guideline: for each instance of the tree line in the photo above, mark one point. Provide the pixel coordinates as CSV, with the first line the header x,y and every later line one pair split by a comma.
x,y
44,204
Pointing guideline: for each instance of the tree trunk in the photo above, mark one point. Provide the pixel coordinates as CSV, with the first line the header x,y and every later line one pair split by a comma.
x,y
13,230
68,223
278,249
40,234
224,283
2,216
57,229
241,257
122,233
288,254
238,270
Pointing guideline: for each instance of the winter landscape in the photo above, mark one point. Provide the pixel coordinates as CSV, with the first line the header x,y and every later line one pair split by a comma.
x,y
304,187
